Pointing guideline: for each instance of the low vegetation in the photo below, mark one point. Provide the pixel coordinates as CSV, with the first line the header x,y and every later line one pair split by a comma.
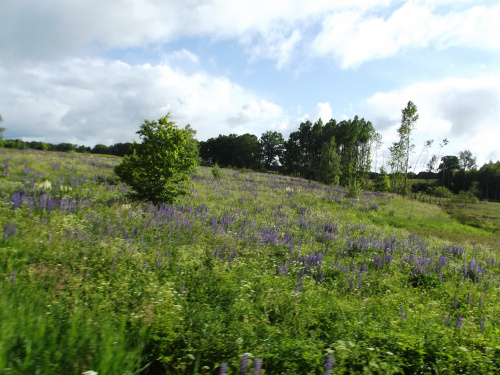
x,y
248,273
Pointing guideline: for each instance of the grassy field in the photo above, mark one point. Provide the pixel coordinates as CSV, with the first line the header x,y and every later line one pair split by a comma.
x,y
250,273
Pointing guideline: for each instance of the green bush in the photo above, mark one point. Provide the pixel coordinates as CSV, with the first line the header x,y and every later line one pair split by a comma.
x,y
216,171
158,167
382,182
441,192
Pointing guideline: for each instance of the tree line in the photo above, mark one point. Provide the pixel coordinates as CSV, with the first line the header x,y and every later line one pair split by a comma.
x,y
332,153
117,149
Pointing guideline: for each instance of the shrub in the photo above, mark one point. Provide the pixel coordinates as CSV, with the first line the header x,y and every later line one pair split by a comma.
x,y
382,183
216,172
158,167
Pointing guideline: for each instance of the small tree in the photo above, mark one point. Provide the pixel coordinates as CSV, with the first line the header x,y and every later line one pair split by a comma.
x,y
467,161
401,150
382,182
159,166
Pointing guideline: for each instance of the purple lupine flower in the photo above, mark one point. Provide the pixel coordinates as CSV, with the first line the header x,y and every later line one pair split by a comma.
x,y
460,321
330,360
244,364
223,369
9,230
257,367
482,324
14,274
455,302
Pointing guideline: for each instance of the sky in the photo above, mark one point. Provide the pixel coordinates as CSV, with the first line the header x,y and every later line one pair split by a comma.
x,y
91,71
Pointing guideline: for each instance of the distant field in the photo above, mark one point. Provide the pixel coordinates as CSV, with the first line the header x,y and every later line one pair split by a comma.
x,y
248,270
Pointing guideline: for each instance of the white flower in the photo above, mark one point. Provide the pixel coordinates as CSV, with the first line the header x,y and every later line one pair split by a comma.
x,y
46,185
90,372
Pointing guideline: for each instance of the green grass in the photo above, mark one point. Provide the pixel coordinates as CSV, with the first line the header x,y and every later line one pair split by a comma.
x,y
286,270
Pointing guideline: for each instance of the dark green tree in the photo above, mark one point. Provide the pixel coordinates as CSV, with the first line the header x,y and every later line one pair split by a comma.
x,y
382,182
329,167
447,169
159,166
100,149
489,180
272,147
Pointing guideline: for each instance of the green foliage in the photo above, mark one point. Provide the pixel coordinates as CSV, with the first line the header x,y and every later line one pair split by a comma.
x,y
440,192
401,150
159,166
286,270
273,147
216,171
467,161
329,167
463,198
353,190
382,182
353,139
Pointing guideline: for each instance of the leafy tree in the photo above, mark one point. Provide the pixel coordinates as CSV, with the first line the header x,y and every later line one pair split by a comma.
x,y
377,139
159,166
216,173
120,149
401,150
100,149
449,165
382,182
242,151
489,180
272,147
467,161
329,166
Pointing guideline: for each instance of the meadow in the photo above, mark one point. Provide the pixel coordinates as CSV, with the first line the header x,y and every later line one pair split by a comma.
x,y
250,273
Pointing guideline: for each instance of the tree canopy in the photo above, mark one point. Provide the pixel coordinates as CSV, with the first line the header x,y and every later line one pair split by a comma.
x,y
159,166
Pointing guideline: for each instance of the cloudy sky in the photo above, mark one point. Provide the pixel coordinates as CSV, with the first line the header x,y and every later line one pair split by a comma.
x,y
91,71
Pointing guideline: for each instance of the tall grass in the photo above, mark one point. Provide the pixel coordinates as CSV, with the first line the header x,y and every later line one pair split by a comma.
x,y
249,273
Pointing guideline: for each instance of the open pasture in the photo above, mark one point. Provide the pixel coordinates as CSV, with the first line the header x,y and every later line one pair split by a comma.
x,y
254,273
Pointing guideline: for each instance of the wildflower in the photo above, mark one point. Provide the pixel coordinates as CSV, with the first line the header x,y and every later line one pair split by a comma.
x,y
45,185
244,364
9,230
223,369
257,367
330,359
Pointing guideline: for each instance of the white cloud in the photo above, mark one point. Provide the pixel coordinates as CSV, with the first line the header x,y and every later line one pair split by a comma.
x,y
465,111
255,111
352,32
182,55
323,111
353,37
89,101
